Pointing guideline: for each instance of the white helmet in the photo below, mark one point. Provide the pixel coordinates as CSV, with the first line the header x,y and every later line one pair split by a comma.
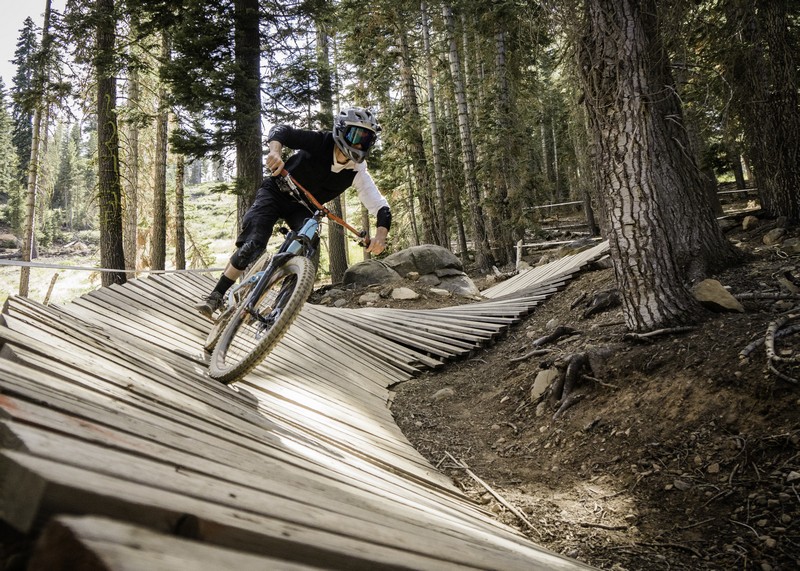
x,y
355,130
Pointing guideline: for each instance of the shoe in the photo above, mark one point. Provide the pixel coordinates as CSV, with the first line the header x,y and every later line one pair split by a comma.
x,y
210,304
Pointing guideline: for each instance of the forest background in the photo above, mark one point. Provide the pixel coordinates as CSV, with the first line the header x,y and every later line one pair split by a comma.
x,y
637,110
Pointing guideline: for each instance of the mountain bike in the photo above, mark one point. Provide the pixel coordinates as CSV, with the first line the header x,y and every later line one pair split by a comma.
x,y
259,310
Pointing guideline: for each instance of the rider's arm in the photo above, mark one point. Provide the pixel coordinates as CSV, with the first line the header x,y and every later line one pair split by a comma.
x,y
287,136
376,204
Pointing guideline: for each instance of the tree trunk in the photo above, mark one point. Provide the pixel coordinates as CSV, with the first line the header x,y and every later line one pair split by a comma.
x,y
130,204
337,244
108,177
29,232
247,102
365,226
483,257
646,181
412,211
430,221
505,245
180,218
158,241
764,77
436,152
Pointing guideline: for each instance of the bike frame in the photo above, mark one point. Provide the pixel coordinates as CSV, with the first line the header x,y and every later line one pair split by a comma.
x,y
297,243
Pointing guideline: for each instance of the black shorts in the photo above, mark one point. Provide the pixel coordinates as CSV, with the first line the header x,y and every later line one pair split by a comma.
x,y
270,205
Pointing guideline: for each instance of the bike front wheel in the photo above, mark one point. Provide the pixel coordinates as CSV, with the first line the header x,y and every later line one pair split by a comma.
x,y
250,335
241,294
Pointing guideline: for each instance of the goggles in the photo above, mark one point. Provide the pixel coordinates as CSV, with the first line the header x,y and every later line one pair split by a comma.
x,y
355,135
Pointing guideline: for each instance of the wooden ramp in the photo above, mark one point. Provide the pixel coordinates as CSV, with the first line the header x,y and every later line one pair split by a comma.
x,y
119,452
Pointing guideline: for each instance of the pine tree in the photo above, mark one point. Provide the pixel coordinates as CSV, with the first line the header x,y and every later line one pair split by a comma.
x,y
9,164
23,95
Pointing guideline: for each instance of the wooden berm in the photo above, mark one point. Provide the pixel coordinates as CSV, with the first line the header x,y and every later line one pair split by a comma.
x,y
120,453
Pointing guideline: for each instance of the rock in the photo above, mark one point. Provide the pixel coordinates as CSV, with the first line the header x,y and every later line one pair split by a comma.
x,y
440,292
412,276
444,272
774,236
714,296
404,293
444,393
461,286
429,280
425,259
8,241
369,298
792,476
369,272
552,324
77,246
543,380
791,246
332,295
681,485
341,302
727,224
750,223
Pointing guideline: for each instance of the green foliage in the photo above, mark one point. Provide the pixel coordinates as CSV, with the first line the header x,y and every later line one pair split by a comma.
x,y
23,95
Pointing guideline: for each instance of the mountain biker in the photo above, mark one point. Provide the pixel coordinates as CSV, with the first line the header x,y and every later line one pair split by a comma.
x,y
326,163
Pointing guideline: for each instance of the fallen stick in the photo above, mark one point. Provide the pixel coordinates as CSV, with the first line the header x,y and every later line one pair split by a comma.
x,y
497,496
745,353
766,295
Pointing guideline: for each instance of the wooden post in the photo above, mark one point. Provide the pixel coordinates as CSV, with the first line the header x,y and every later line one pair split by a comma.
x,y
50,289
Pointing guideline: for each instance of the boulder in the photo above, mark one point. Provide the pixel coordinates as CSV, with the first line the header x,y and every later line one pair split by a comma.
x,y
461,286
424,259
369,272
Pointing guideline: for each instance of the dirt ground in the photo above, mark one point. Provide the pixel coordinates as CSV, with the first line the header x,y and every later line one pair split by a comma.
x,y
678,454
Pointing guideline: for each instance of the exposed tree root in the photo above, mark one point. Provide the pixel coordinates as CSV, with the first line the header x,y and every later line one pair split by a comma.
x,y
602,301
529,354
646,336
557,333
563,387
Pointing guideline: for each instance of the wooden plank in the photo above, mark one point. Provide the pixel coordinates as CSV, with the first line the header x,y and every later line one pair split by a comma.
x,y
53,488
226,446
386,349
280,494
354,433
158,495
102,544
226,417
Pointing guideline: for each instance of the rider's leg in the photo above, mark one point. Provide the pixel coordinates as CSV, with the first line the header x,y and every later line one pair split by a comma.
x,y
257,226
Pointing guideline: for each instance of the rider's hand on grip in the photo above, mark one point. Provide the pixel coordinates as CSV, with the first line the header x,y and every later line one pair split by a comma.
x,y
274,163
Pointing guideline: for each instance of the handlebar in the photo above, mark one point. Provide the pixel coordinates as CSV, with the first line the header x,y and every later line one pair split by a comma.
x,y
364,239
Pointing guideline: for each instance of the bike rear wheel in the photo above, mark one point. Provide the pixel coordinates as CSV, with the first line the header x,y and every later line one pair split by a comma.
x,y
241,294
249,337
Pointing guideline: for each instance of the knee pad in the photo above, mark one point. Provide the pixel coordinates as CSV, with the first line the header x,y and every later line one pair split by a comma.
x,y
247,253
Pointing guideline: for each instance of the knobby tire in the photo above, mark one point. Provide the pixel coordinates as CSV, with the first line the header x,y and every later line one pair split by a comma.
x,y
242,346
